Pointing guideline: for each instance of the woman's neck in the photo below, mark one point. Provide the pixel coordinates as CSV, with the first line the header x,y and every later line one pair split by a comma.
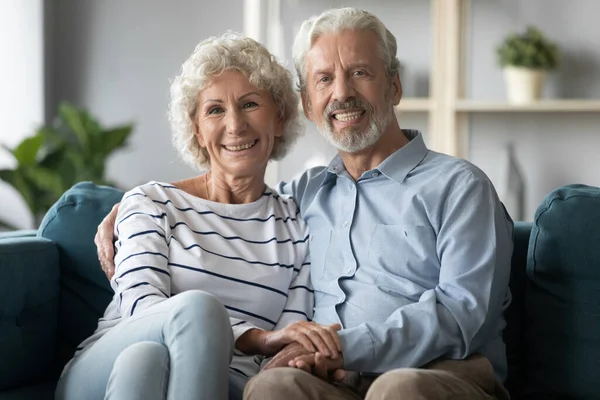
x,y
225,189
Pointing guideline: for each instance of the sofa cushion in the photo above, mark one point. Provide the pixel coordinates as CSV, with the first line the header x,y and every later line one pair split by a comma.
x,y
563,297
85,292
29,292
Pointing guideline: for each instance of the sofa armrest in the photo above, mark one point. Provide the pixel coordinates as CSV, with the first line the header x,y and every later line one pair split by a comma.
x,y
29,293
18,233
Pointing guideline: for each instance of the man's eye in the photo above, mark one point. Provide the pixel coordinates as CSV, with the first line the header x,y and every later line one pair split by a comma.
x,y
360,73
324,79
215,110
250,104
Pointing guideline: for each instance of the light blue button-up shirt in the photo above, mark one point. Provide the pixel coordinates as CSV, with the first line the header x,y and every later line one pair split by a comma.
x,y
413,258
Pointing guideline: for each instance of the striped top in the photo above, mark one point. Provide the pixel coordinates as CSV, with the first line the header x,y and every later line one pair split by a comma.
x,y
252,257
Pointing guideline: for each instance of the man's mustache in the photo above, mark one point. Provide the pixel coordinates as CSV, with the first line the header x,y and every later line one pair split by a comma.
x,y
344,105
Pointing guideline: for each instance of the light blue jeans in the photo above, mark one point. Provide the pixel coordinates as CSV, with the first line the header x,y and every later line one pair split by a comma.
x,y
179,349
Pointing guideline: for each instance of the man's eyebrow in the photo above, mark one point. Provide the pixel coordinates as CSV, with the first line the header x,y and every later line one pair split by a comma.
x,y
321,71
359,65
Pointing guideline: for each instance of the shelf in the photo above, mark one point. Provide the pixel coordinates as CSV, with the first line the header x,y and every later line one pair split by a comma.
x,y
539,106
415,104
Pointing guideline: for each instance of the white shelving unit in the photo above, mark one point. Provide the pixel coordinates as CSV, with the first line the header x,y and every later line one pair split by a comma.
x,y
540,106
448,110
415,104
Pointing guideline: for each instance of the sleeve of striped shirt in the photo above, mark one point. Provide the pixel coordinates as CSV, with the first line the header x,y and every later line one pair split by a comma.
x,y
239,327
141,275
300,301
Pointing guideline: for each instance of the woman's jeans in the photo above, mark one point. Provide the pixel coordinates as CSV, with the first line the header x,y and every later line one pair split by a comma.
x,y
177,349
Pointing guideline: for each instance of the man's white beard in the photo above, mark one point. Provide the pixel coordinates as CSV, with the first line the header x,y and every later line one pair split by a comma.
x,y
351,140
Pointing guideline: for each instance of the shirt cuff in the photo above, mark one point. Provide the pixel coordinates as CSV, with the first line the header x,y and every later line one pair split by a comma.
x,y
357,348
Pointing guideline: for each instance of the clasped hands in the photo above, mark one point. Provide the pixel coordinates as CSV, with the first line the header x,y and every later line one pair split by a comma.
x,y
316,363
314,348
317,351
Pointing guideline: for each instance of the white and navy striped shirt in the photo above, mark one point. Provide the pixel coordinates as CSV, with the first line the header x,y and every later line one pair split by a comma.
x,y
252,257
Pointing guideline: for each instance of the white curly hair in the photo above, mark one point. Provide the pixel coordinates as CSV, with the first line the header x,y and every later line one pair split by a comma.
x,y
337,20
213,56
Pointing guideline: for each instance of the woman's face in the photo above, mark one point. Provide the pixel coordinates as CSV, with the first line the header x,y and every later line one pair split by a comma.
x,y
237,124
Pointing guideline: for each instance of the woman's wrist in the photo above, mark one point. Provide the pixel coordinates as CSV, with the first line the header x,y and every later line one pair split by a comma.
x,y
252,342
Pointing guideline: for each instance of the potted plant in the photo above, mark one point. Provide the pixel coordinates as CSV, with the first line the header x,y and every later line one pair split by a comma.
x,y
73,148
526,58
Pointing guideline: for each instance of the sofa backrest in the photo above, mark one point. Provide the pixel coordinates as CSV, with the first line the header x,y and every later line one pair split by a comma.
x,y
562,323
84,289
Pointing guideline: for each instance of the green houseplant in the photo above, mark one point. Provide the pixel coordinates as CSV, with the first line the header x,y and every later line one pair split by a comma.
x,y
73,148
525,59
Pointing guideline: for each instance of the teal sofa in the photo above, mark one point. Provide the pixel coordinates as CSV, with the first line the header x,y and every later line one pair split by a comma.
x,y
53,291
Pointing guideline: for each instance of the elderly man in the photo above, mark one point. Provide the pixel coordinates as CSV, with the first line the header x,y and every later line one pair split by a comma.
x,y
410,248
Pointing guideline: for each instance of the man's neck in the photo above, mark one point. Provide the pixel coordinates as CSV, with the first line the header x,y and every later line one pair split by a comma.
x,y
359,162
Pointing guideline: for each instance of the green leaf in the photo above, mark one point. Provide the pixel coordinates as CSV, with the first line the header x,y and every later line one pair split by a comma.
x,y
26,152
115,138
76,122
45,180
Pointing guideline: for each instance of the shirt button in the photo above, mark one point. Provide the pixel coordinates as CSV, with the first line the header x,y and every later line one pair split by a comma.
x,y
345,224
375,174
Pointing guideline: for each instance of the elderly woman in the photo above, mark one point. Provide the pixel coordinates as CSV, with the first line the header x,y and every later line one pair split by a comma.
x,y
213,270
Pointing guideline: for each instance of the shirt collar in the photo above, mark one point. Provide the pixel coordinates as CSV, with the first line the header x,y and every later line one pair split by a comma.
x,y
397,165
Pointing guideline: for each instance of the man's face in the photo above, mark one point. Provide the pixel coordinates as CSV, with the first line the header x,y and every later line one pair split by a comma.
x,y
348,93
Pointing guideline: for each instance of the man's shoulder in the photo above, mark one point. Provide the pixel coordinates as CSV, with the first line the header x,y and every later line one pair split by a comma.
x,y
297,187
450,169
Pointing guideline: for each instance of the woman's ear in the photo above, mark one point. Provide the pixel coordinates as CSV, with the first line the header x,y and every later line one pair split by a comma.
x,y
197,133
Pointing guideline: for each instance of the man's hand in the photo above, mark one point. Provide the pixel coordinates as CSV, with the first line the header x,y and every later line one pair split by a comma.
x,y
104,242
321,366
287,354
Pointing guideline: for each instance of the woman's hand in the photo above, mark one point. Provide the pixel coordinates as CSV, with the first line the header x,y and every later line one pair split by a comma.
x,y
312,336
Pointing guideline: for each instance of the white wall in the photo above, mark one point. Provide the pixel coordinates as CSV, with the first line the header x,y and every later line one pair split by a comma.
x,y
22,94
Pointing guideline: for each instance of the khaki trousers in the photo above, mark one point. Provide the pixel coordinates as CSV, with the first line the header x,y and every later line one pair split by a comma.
x,y
472,378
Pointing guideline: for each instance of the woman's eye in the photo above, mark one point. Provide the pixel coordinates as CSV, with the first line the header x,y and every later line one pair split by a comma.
x,y
324,79
360,73
250,104
215,110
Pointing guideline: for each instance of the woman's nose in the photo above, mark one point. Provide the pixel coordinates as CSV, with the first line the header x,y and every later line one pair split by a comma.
x,y
236,123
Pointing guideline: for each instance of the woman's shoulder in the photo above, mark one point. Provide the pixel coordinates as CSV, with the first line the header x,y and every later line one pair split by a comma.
x,y
151,192
284,203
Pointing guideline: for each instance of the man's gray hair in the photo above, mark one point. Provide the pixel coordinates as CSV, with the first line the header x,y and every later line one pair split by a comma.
x,y
212,57
337,20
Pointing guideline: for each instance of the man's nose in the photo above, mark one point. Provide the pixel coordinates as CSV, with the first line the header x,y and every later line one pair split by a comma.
x,y
236,122
343,89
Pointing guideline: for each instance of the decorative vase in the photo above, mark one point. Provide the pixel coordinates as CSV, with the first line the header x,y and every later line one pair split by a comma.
x,y
523,85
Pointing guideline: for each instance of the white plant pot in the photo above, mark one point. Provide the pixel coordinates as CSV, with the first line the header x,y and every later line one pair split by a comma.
x,y
523,85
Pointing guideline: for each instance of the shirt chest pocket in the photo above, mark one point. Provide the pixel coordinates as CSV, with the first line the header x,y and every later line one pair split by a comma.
x,y
402,249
